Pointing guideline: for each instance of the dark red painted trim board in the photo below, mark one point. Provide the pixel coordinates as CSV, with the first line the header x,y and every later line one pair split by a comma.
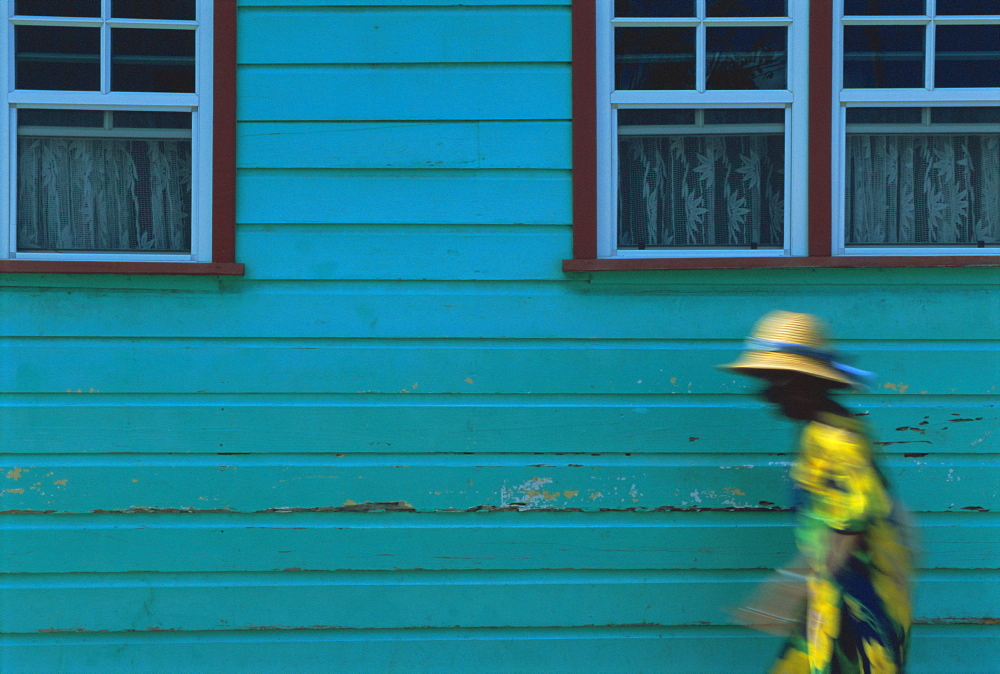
x,y
820,128
584,129
825,262
145,268
224,135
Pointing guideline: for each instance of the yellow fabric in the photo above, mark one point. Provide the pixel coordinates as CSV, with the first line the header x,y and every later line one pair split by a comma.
x,y
858,585
835,467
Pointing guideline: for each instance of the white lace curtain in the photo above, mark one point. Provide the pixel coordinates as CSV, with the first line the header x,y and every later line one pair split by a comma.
x,y
701,190
923,189
104,194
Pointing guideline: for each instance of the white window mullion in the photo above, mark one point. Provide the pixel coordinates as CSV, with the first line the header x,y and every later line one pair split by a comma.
x,y
7,158
201,146
929,49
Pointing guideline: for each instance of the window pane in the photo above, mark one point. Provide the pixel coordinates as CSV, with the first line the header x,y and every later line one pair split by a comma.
x,y
957,7
645,117
654,58
153,9
752,116
967,56
103,194
883,57
63,118
965,115
747,58
884,115
654,8
152,60
90,8
923,189
57,58
747,8
700,189
141,119
884,7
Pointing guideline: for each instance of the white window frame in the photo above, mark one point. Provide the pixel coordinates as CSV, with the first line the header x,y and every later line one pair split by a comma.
x,y
793,100
928,96
199,104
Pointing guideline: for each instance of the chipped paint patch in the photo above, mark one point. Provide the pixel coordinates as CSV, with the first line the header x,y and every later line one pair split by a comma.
x,y
15,473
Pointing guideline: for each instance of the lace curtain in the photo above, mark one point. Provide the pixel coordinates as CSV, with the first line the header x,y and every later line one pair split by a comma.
x,y
701,190
104,194
923,189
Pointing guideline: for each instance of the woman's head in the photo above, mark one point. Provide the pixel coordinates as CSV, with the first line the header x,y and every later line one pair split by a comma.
x,y
790,352
797,396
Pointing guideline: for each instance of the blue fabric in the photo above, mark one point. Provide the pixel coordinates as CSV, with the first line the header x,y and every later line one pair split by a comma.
x,y
829,357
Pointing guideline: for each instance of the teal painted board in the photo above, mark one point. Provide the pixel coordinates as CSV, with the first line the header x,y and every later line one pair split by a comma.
x,y
513,310
441,482
445,367
414,600
387,539
40,424
481,91
366,35
439,197
404,145
956,649
443,252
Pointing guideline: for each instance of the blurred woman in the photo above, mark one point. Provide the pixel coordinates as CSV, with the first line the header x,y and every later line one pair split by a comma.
x,y
852,539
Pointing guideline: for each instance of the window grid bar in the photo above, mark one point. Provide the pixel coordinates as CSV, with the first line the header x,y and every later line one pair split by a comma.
x,y
929,55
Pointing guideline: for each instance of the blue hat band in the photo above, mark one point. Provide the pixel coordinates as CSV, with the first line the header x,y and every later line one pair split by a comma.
x,y
822,355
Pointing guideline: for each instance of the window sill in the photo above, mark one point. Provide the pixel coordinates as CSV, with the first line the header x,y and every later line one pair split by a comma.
x,y
136,268
840,261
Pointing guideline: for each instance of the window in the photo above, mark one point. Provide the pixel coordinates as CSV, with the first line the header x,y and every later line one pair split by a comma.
x,y
117,132
731,133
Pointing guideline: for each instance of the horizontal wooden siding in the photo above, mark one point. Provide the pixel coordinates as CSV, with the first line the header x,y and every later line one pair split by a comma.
x,y
407,441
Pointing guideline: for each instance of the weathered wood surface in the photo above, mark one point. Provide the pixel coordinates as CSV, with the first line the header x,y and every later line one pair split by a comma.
x,y
407,441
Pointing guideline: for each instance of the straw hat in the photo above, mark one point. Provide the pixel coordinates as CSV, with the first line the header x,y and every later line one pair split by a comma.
x,y
783,340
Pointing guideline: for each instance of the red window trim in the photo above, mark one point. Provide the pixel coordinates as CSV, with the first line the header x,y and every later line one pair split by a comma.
x,y
584,106
223,180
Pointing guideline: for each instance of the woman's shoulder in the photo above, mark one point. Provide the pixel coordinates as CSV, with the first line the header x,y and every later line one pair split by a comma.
x,y
837,437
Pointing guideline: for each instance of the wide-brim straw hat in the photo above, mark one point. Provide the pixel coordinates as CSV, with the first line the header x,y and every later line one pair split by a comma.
x,y
791,342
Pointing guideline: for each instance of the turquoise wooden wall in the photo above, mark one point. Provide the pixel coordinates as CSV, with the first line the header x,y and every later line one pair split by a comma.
x,y
406,441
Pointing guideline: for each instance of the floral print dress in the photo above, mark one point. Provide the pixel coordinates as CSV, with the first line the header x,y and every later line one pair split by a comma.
x,y
858,603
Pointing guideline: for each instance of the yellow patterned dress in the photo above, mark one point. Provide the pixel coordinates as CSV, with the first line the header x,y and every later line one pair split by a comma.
x,y
858,603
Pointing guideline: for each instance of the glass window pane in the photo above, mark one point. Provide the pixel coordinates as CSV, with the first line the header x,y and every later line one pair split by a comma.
x,y
103,194
48,57
967,56
923,189
154,9
91,8
738,8
967,7
883,57
884,7
152,60
654,8
884,115
747,58
654,58
643,117
694,188
751,116
142,119
61,118
977,115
